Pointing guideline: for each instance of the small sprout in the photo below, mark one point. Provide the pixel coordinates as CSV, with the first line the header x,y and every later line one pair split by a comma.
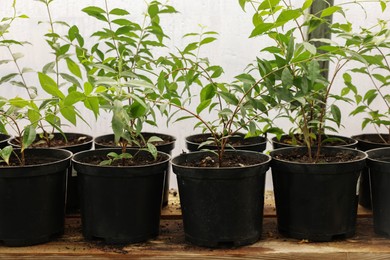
x,y
114,157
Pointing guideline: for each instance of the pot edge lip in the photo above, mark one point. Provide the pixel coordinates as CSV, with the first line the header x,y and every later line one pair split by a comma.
x,y
117,167
356,137
375,159
325,147
69,157
222,168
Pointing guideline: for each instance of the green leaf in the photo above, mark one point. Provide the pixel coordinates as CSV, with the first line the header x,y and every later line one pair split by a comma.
x,y
96,12
33,117
118,11
73,98
49,85
152,150
73,32
261,28
117,123
29,136
330,10
310,48
287,78
190,47
153,10
370,96
69,113
242,4
307,4
288,15
246,78
19,102
229,98
8,77
88,88
5,153
358,110
73,67
208,92
92,103
155,139
383,5
204,104
336,114
207,40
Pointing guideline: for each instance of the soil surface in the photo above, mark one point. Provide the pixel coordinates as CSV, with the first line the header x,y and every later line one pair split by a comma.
x,y
376,138
342,156
333,141
31,160
137,160
228,160
56,142
111,142
233,141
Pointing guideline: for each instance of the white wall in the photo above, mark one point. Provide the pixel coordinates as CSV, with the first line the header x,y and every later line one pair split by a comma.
x,y
234,50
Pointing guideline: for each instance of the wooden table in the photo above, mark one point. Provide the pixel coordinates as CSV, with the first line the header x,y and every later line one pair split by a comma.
x,y
170,244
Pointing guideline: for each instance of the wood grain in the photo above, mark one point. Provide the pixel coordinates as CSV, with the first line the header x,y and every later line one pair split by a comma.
x,y
170,244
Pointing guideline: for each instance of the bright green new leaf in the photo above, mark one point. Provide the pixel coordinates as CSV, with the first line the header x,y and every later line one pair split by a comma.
x,y
307,4
261,28
49,85
330,10
73,98
287,15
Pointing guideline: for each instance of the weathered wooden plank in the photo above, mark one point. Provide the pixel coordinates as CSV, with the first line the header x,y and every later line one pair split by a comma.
x,y
171,244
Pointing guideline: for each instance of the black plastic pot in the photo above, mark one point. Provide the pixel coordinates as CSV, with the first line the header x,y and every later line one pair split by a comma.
x,y
72,196
101,142
32,199
379,172
256,143
317,202
349,142
4,140
367,142
221,206
120,204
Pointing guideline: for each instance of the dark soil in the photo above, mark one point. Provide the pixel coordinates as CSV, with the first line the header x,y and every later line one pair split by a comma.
x,y
111,142
376,138
234,141
332,141
56,142
31,160
137,160
342,156
228,160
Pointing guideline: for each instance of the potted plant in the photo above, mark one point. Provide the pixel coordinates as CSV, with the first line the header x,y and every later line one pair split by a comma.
x,y
221,189
125,51
370,103
121,188
314,186
33,181
60,79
